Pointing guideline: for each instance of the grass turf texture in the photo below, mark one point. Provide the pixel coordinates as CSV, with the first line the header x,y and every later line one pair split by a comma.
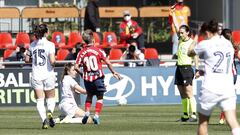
x,y
117,120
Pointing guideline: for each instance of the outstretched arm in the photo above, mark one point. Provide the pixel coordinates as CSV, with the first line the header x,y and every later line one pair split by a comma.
x,y
79,89
110,67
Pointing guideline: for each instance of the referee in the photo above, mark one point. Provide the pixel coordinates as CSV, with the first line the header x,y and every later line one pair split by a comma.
x,y
184,75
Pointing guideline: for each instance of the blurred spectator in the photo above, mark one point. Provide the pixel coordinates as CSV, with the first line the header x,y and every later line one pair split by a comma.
x,y
91,18
130,30
132,53
18,55
74,52
178,16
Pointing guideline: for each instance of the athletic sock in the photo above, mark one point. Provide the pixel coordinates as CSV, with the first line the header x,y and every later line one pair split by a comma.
x,y
193,104
70,119
51,104
41,108
96,116
222,116
88,106
236,131
185,106
74,120
98,108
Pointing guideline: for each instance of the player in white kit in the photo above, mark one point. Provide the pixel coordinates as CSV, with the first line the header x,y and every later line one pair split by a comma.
x,y
42,55
70,112
218,87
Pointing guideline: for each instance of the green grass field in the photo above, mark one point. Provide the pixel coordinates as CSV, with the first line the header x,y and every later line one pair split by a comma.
x,y
117,120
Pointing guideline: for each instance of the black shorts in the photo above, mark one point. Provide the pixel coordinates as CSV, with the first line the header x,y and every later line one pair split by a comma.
x,y
184,75
95,87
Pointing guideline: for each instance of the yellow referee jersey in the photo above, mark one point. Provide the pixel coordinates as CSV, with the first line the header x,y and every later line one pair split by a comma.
x,y
183,58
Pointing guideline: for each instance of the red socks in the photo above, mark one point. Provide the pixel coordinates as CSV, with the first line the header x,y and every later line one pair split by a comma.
x,y
98,108
222,116
88,106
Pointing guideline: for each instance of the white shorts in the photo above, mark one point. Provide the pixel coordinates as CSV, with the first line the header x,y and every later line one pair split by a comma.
x,y
208,100
68,108
47,84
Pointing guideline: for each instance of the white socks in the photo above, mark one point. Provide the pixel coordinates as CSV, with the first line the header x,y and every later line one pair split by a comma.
x,y
87,113
71,120
50,104
41,108
96,116
236,131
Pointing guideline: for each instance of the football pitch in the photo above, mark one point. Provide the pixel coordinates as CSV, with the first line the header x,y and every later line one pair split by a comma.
x,y
116,120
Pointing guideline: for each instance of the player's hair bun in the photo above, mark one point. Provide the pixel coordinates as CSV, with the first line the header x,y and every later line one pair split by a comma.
x,y
40,30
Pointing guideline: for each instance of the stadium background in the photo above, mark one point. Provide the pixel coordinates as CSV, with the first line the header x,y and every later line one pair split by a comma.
x,y
225,11
153,85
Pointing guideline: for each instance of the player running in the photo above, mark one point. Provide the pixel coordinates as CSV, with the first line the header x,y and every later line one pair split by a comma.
x,y
217,88
227,33
42,55
91,59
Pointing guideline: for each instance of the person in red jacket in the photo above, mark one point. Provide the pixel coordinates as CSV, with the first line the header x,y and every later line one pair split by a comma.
x,y
131,31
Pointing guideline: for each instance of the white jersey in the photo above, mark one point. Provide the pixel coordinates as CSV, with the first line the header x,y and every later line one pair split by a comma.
x,y
218,54
67,91
40,51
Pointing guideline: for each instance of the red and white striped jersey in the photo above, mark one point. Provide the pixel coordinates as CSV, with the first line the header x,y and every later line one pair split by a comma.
x,y
90,58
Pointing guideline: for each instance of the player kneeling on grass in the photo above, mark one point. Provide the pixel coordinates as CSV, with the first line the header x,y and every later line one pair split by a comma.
x,y
91,59
70,112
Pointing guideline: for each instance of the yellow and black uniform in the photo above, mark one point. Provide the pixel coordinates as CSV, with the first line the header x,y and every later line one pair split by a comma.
x,y
184,73
183,77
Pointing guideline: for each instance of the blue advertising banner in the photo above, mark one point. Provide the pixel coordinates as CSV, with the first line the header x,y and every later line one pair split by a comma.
x,y
139,85
147,85
143,85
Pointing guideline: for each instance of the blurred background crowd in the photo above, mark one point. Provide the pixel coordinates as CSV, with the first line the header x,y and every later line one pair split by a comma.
x,y
150,29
